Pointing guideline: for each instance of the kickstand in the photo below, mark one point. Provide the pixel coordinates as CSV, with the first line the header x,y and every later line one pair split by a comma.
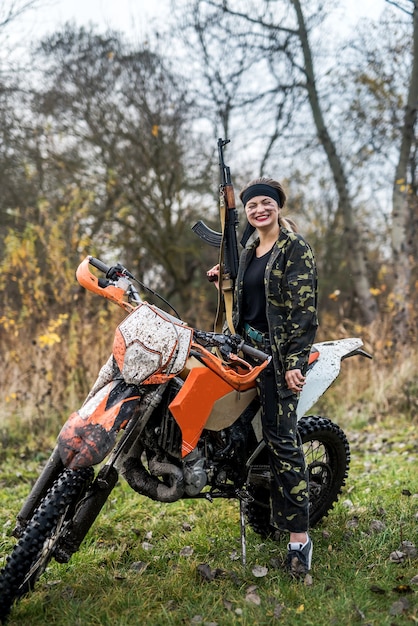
x,y
243,533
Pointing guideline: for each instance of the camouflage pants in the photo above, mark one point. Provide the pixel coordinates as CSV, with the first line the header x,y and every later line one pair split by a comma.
x,y
289,482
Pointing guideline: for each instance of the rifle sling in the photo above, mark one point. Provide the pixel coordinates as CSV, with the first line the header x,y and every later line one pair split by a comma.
x,y
226,285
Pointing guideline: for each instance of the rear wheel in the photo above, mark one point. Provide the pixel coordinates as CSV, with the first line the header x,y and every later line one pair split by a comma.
x,y
327,455
35,547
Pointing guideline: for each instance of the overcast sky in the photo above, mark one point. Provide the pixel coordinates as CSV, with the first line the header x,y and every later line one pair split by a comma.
x,y
125,14
132,16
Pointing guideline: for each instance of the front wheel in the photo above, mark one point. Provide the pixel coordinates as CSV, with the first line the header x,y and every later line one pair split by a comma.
x,y
327,455
35,548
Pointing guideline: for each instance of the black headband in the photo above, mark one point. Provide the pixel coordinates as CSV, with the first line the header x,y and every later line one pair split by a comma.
x,y
261,189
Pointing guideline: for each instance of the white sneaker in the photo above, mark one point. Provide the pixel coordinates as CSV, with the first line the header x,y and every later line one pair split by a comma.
x,y
299,558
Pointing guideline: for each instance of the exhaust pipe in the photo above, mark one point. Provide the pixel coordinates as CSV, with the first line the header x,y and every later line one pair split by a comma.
x,y
148,484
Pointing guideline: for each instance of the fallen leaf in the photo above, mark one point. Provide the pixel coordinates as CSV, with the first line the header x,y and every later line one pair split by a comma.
x,y
397,556
409,548
399,607
259,571
352,523
403,589
206,572
253,597
186,551
139,566
308,580
377,526
171,605
414,580
376,589
209,574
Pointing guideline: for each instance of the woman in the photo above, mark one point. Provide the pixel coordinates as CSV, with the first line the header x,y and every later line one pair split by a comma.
x,y
275,309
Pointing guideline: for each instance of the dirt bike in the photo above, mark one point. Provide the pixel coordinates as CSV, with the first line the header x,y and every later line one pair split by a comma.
x,y
174,410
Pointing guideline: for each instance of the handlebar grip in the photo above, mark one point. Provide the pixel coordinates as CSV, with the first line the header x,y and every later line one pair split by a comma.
x,y
254,352
99,264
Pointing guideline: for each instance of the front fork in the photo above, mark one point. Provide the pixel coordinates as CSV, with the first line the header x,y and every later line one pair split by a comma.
x,y
50,473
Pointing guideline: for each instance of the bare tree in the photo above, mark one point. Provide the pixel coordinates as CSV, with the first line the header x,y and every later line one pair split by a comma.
x,y
278,34
108,131
10,10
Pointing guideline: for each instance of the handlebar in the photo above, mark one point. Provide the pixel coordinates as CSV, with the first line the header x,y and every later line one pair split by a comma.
x,y
253,352
98,264
229,344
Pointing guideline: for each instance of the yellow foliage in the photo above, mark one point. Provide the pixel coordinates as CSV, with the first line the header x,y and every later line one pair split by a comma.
x,y
54,324
48,340
7,323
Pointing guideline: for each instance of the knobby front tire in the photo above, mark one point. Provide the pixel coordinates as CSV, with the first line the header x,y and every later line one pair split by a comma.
x,y
35,548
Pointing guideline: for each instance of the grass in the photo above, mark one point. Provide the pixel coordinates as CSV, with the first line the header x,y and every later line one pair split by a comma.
x,y
140,563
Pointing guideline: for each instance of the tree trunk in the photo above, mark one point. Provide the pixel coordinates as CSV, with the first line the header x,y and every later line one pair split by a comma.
x,y
357,253
403,206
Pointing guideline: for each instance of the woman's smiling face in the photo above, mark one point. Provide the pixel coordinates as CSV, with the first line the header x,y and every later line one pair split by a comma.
x,y
262,211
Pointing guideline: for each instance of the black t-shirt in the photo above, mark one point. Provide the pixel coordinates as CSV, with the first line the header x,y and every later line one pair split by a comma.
x,y
254,295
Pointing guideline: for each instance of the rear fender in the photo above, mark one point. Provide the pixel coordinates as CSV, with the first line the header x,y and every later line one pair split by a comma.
x,y
325,369
90,433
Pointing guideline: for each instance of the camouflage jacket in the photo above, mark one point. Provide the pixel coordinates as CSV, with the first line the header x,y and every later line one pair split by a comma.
x,y
291,295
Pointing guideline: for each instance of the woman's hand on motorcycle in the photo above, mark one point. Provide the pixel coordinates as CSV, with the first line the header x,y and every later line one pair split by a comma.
x,y
295,380
213,275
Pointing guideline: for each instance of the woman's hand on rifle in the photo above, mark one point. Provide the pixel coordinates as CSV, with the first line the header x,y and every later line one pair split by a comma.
x,y
213,275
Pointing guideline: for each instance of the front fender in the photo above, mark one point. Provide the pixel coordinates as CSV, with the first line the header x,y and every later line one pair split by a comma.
x,y
90,433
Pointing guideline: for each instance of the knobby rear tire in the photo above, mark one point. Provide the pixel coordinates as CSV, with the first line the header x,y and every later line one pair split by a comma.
x,y
35,548
327,455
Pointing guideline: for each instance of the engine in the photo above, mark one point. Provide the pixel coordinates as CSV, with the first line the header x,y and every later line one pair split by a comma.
x,y
156,469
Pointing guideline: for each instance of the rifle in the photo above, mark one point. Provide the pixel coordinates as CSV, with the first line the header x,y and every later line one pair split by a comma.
x,y
225,241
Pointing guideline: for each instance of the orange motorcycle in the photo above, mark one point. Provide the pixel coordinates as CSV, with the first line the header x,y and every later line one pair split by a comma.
x,y
174,411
